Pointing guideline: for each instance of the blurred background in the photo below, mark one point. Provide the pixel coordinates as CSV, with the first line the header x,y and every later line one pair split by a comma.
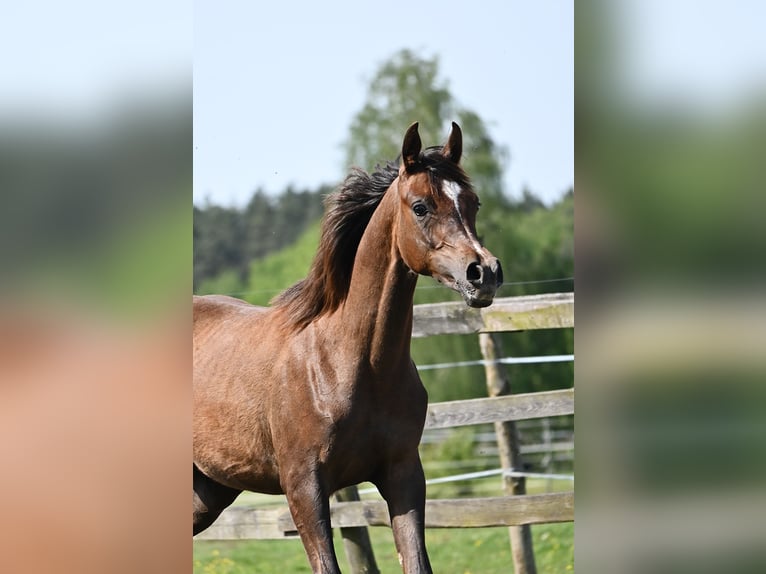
x,y
96,257
670,128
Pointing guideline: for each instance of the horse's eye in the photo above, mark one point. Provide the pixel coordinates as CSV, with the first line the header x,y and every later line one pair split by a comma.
x,y
419,209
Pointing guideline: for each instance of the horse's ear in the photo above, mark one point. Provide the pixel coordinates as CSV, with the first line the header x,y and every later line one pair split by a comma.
x,y
453,149
411,147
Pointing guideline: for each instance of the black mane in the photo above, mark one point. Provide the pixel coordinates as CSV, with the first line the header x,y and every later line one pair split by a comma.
x,y
347,213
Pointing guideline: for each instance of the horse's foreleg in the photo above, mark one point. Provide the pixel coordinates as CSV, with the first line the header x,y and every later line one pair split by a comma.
x,y
310,508
209,500
403,486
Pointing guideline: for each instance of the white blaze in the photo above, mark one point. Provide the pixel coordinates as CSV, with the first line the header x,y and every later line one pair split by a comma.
x,y
453,191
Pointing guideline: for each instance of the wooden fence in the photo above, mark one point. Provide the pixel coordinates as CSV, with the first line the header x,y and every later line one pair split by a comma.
x,y
516,510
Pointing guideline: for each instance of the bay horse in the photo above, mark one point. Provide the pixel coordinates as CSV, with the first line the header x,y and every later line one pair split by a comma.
x,y
318,391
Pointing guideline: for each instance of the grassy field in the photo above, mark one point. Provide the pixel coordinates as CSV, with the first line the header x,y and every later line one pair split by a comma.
x,y
452,551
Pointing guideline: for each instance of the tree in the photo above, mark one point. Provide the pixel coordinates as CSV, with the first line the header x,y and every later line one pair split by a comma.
x,y
228,239
406,89
259,217
218,242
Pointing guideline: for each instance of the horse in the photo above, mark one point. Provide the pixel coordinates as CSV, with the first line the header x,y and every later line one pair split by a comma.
x,y
318,391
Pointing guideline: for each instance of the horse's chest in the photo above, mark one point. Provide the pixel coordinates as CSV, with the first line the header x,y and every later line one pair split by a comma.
x,y
351,426
384,416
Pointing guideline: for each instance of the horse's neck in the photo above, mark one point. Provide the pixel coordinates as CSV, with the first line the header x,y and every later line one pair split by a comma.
x,y
377,315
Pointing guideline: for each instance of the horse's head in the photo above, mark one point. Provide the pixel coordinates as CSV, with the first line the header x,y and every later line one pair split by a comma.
x,y
436,232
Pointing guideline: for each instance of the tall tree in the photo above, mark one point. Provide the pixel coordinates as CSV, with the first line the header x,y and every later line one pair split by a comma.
x,y
219,235
408,88
259,221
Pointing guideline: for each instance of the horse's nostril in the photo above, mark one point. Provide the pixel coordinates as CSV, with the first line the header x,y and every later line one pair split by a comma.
x,y
474,273
499,274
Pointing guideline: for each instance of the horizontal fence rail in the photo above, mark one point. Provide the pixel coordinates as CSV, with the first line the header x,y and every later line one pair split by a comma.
x,y
549,311
498,409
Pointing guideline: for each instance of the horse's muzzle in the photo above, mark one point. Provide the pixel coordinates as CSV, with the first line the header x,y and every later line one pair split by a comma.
x,y
482,280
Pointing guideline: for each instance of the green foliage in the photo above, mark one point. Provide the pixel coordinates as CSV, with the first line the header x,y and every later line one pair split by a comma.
x,y
219,234
72,190
144,266
276,272
228,239
684,193
273,223
136,269
228,282
457,448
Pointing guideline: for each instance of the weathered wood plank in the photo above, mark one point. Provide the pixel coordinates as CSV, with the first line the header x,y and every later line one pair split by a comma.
x,y
500,511
239,522
503,408
548,311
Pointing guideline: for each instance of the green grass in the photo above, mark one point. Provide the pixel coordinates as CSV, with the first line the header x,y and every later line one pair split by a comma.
x,y
452,551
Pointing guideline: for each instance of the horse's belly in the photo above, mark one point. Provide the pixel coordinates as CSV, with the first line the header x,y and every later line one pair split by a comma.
x,y
234,455
242,473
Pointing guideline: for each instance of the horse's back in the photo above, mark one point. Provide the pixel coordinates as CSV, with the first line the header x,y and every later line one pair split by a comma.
x,y
211,305
214,308
226,330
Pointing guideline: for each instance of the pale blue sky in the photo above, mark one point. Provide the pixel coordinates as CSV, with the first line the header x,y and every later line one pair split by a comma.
x,y
708,56
276,85
78,59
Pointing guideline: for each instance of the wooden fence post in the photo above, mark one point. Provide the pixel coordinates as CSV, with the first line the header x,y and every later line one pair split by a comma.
x,y
356,540
522,549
